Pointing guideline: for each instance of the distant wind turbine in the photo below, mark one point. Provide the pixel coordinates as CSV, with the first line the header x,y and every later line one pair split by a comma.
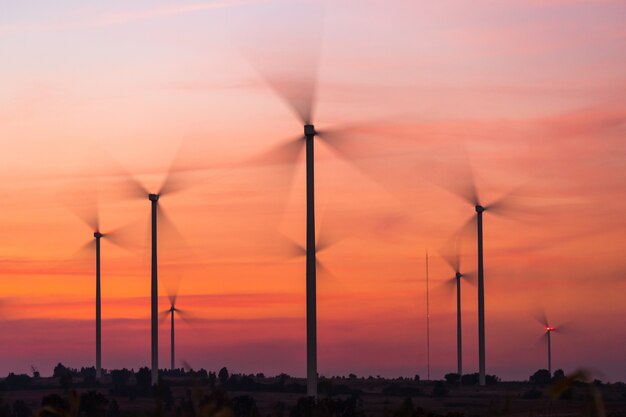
x,y
454,260
92,220
171,184
171,312
547,336
470,194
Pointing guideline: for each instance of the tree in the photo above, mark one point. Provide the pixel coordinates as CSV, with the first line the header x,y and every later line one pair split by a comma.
x,y
558,375
59,370
144,377
452,378
89,375
469,379
119,378
17,382
542,377
212,379
491,379
223,376
65,381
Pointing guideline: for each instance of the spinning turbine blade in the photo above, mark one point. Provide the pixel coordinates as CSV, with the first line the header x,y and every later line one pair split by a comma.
x,y
541,318
87,209
452,171
182,173
450,253
172,299
290,65
285,156
284,153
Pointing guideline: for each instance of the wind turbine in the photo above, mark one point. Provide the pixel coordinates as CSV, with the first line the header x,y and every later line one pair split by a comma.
x,y
454,261
469,193
93,222
299,93
288,153
171,184
171,312
290,70
549,329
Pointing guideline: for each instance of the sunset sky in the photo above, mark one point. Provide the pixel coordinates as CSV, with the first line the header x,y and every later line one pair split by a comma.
x,y
530,96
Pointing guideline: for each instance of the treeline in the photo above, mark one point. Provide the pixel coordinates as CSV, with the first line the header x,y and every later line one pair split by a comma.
x,y
131,383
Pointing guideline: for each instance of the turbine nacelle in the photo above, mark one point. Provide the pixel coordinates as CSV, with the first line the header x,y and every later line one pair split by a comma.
x,y
309,131
550,329
479,208
153,197
97,234
458,276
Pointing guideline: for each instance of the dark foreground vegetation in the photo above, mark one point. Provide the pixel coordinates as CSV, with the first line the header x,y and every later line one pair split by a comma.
x,y
188,393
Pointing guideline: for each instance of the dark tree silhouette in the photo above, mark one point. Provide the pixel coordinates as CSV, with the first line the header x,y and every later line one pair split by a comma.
x,y
144,377
65,380
88,375
452,378
542,377
17,382
223,376
119,379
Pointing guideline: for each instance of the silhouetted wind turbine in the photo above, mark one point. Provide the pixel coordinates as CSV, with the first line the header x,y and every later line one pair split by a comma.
x,y
299,93
92,220
549,329
170,185
294,79
288,153
171,312
454,261
470,194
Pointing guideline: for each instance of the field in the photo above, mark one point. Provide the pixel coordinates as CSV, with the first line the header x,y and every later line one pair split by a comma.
x,y
338,396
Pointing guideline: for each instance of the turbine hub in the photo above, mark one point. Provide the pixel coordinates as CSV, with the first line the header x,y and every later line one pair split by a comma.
x,y
97,235
309,131
153,197
459,275
479,208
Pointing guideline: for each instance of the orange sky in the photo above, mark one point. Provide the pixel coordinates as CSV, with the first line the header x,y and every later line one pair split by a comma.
x,y
530,94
